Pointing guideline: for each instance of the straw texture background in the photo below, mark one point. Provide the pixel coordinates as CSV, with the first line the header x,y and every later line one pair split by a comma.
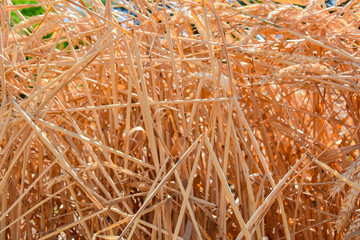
x,y
180,120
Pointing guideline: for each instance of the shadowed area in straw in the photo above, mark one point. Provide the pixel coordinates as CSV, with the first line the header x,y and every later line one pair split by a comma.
x,y
179,120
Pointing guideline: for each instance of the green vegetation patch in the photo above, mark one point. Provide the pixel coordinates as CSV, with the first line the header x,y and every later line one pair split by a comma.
x,y
26,12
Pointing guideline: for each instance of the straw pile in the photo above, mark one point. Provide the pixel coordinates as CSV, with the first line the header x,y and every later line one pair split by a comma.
x,y
180,120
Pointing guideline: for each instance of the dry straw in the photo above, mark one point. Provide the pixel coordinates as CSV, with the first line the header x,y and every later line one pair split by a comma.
x,y
180,120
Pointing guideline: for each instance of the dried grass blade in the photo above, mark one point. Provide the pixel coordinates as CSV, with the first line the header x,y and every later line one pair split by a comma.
x,y
263,209
93,142
160,185
73,224
224,183
63,163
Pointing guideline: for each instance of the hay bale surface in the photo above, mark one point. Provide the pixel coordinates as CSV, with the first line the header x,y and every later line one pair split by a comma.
x,y
179,120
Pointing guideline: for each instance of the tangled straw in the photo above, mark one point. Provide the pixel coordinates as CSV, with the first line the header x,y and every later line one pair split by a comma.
x,y
179,120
